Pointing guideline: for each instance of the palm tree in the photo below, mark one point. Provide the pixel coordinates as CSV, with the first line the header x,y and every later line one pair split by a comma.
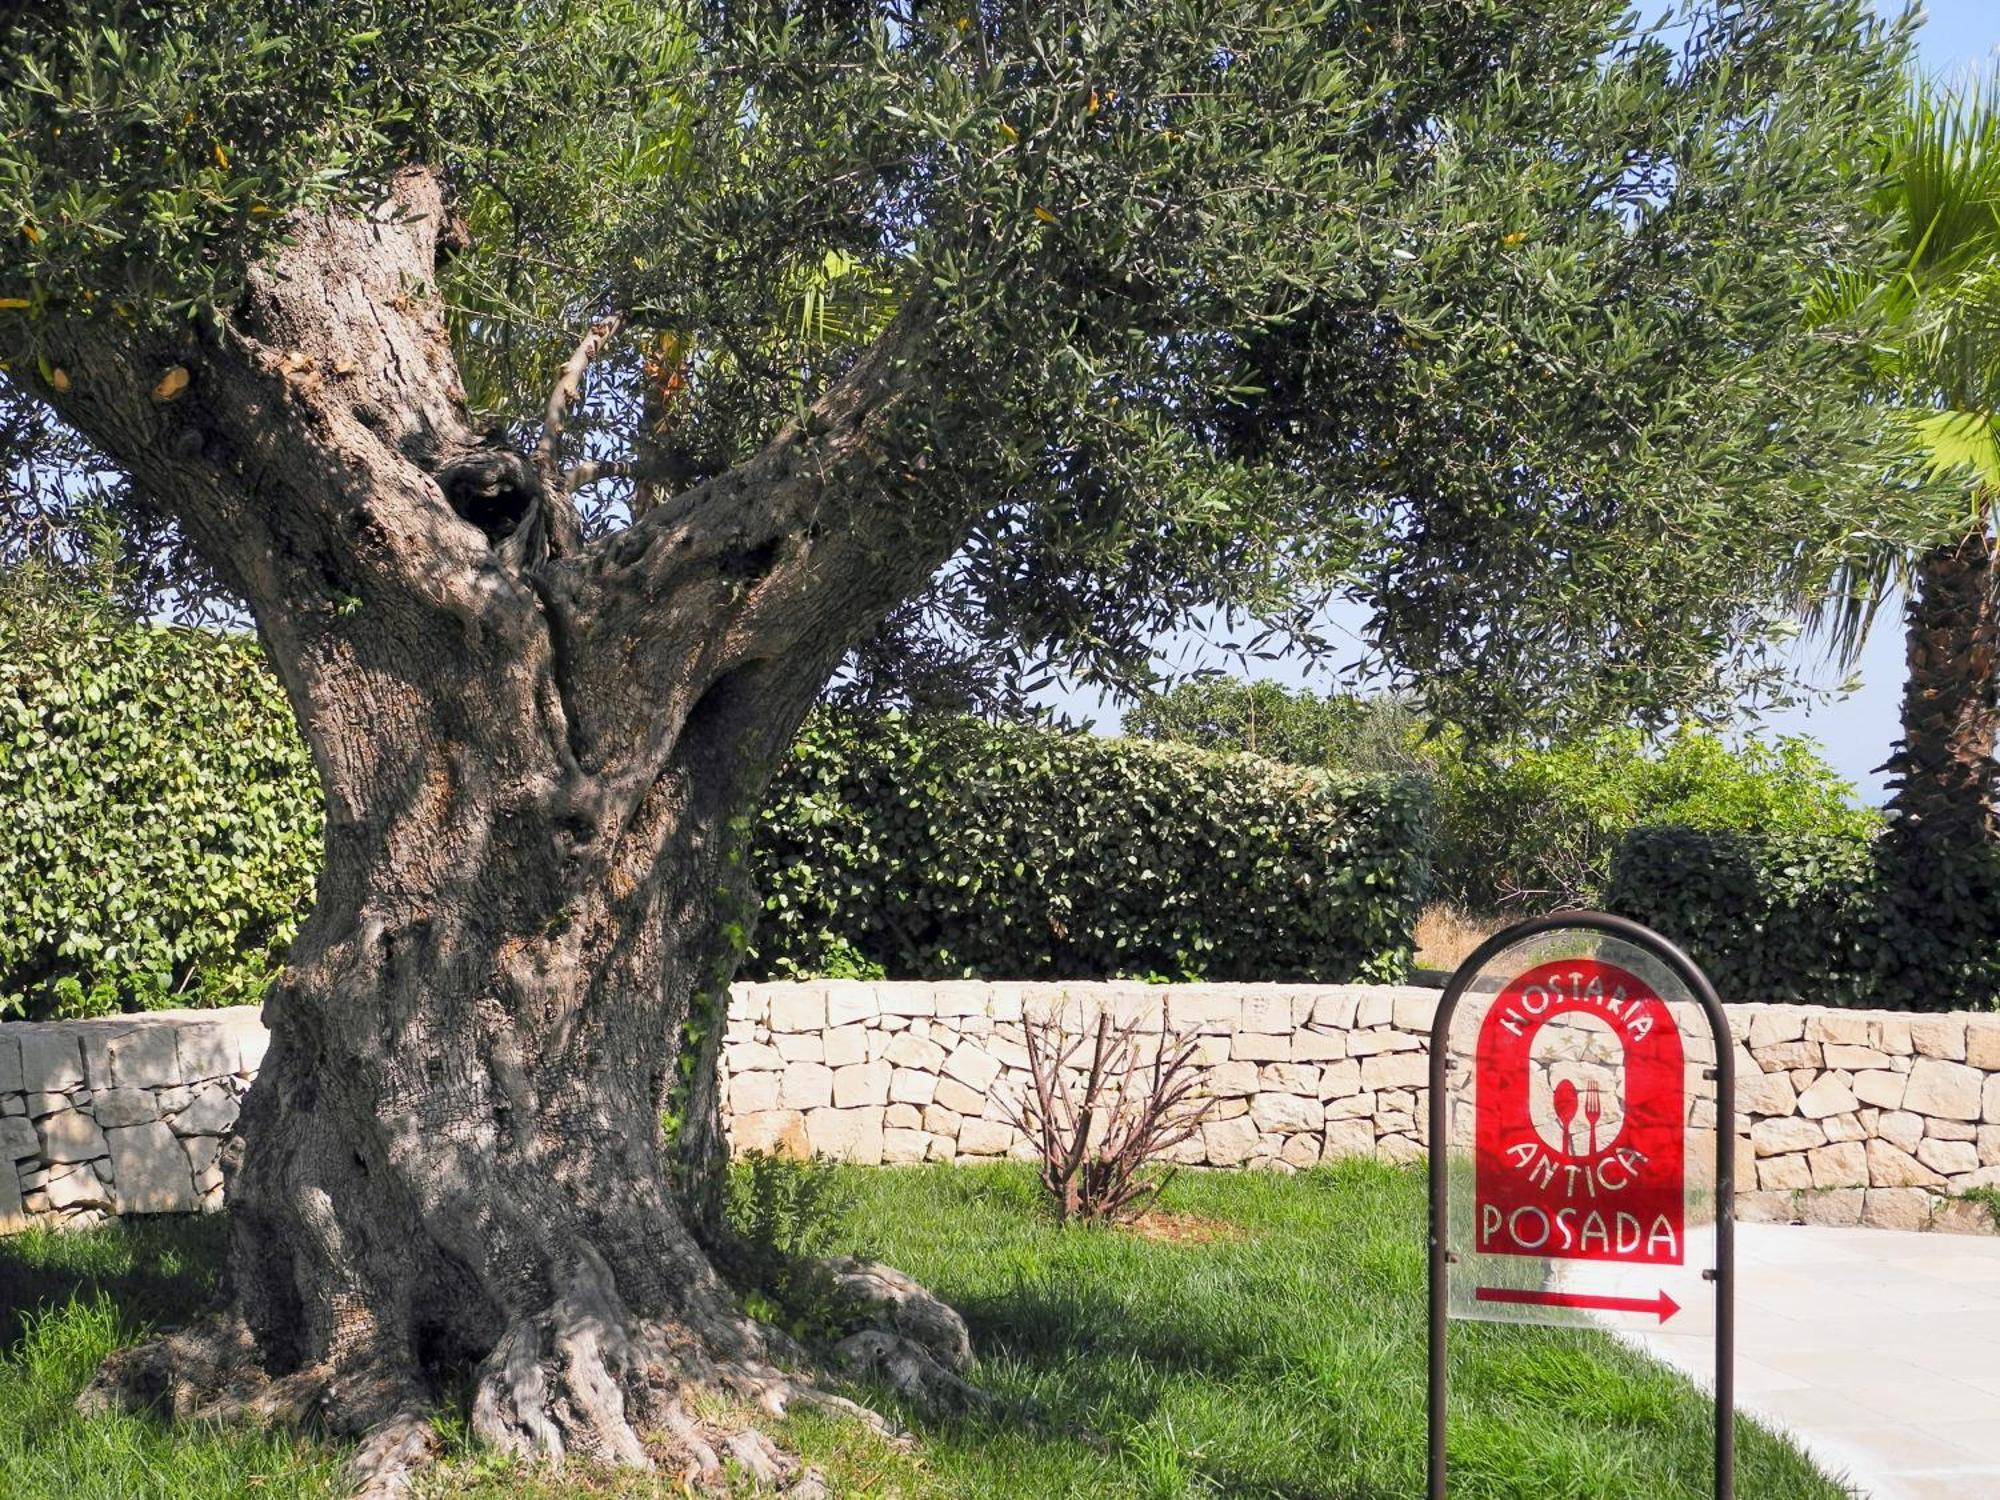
x,y
1934,316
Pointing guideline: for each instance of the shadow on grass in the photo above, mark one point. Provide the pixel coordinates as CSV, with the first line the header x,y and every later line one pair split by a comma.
x,y
160,1272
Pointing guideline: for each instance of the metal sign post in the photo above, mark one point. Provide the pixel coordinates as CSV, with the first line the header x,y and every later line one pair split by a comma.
x,y
1585,1203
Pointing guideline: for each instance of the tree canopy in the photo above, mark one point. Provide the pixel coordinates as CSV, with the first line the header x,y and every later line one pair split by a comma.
x,y
1484,313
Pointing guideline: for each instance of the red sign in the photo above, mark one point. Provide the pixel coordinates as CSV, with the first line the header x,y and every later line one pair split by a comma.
x,y
1579,1140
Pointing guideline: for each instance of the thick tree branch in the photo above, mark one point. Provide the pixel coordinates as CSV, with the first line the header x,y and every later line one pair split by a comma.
x,y
565,531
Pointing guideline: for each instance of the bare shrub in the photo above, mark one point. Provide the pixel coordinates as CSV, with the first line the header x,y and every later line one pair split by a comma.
x,y
1097,1125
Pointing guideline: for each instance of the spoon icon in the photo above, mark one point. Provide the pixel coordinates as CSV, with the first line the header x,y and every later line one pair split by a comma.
x,y
1565,1102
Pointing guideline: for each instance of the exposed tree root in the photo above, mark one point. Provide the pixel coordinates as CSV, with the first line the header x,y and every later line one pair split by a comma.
x,y
582,1379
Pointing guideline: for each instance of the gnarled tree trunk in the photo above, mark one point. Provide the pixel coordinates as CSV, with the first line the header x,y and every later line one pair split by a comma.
x,y
539,760
1944,768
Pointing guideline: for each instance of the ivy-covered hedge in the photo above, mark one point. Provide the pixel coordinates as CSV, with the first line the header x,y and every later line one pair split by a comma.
x,y
927,848
160,835
159,817
1817,918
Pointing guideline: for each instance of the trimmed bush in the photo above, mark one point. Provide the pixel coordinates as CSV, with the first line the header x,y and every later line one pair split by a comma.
x,y
931,848
1815,918
159,816
160,836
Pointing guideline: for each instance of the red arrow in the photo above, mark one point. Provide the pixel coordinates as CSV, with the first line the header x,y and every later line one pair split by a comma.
x,y
1664,1305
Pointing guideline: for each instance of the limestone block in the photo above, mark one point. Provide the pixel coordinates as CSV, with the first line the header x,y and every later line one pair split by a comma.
x,y
984,1138
1829,1096
847,1134
805,1086
1947,1089
1843,1128
1199,1008
1415,1012
781,1132
78,1188
1284,1114
1839,1208
1266,1012
755,1058
150,1170
1889,1166
1401,1149
1778,1172
902,1117
50,1061
1897,1208
202,1152
845,1045
213,1111
965,997
972,1065
1780,1057
1763,1093
1249,1046
1318,1046
11,1079
1289,1078
798,1008
40,1104
71,1135
1948,1156
1333,1009
800,1046
905,1000
1837,1026
18,1142
1381,1039
908,1050
1340,1080
1783,1023
1846,1055
940,1121
1353,1107
1891,1034
173,1100
1961,1216
863,1083
954,1095
1349,1138
1300,1150
911,1085
753,1093
1376,1008
13,1212
1765,1208
1232,1079
1901,1129
1226,1143
1939,1036
904,1145
252,1042
1989,1145
1881,1088
848,1001
1775,1137
1395,1070
144,1058
1982,1045
1950,1130
208,1051
1839,1166
1990,1112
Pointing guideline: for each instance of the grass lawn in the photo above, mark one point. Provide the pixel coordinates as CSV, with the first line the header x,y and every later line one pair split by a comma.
x,y
1283,1360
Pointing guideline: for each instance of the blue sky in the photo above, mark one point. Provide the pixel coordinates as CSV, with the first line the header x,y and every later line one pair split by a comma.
x,y
1855,731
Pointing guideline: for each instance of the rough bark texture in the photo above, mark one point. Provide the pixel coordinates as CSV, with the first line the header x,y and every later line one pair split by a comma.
x,y
538,760
1944,768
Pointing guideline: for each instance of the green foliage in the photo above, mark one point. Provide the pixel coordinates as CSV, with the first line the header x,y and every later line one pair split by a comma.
x,y
1536,826
159,816
1521,824
1224,305
159,823
787,1215
1824,919
941,847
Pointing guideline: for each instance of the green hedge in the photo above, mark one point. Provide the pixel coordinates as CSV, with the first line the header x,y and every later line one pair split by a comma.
x,y
929,848
159,817
160,836
1824,919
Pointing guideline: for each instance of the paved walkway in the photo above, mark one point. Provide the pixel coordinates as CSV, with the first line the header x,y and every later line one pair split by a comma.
x,y
1878,1350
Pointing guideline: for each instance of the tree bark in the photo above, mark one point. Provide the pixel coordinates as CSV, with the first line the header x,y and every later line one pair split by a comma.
x,y
1944,768
539,761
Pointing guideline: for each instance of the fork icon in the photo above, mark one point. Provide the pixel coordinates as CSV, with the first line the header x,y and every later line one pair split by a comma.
x,y
1593,1111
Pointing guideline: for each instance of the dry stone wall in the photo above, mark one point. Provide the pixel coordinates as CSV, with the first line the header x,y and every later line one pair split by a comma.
x,y
1845,1117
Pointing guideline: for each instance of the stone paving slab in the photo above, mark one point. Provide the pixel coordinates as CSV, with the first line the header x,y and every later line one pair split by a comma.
x,y
1876,1350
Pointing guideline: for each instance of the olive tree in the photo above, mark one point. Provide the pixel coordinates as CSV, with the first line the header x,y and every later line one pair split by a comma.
x,y
565,387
